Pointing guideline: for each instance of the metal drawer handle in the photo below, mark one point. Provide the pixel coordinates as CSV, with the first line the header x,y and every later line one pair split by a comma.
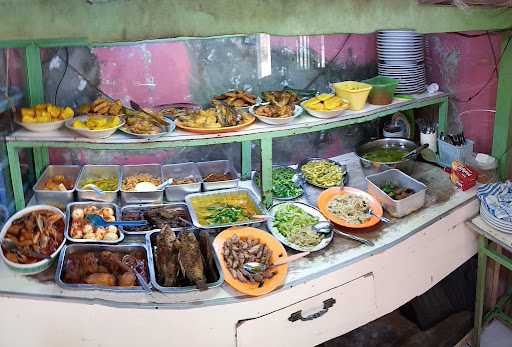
x,y
298,315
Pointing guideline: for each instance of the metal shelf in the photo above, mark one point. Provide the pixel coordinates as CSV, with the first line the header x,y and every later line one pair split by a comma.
x,y
264,133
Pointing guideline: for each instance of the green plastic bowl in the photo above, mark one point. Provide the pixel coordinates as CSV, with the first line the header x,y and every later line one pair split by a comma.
x,y
383,90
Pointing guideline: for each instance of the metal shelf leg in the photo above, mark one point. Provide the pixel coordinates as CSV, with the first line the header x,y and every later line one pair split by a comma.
x,y
480,290
16,179
246,160
266,171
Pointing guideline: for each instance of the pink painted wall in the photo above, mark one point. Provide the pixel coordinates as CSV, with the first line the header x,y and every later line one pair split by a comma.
x,y
463,66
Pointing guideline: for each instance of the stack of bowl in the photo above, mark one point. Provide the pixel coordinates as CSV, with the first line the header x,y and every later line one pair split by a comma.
x,y
400,54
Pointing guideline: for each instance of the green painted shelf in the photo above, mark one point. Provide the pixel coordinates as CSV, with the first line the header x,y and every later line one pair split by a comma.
x,y
64,138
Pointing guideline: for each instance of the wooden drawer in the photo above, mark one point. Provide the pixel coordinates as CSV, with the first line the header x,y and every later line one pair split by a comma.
x,y
315,319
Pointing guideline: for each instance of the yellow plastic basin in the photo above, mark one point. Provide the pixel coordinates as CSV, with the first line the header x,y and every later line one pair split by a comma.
x,y
355,92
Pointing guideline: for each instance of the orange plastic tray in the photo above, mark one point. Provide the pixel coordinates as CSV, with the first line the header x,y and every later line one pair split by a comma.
x,y
278,251
215,130
329,194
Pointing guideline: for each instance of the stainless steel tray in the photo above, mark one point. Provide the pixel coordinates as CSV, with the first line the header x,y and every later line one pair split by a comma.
x,y
69,249
57,198
341,166
178,192
150,238
309,209
144,207
98,171
73,205
250,194
256,187
218,166
154,197
397,208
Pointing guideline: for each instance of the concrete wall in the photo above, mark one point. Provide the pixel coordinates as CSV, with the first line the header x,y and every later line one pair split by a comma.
x,y
128,20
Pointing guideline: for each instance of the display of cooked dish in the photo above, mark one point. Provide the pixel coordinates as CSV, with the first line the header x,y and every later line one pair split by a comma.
x,y
323,173
281,98
156,216
237,251
237,98
102,106
396,192
107,184
97,123
281,104
145,122
353,209
283,186
183,180
295,225
80,228
105,268
325,102
385,155
218,177
140,182
33,237
184,260
45,113
218,116
58,182
224,209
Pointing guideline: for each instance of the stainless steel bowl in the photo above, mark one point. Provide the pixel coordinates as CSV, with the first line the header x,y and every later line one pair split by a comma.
x,y
406,145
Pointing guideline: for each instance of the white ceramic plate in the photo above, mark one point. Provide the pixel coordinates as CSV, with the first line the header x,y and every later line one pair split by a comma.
x,y
92,134
278,121
170,128
42,127
40,266
308,209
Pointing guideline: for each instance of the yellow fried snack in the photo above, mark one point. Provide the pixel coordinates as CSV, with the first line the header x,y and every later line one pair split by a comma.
x,y
45,113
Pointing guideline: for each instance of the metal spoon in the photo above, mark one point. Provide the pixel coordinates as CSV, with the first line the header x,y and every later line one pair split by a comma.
x,y
330,228
415,152
255,267
381,218
99,221
95,188
131,262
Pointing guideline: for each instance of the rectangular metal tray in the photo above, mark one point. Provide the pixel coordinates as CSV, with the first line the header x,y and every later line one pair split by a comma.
x,y
73,205
218,166
143,207
154,197
98,171
195,219
69,249
150,237
57,198
397,208
178,192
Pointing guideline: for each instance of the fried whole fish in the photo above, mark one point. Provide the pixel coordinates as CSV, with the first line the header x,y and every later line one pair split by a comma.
x,y
190,259
207,250
166,255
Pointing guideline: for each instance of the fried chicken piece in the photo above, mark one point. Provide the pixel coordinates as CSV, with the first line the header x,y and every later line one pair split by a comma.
x,y
101,279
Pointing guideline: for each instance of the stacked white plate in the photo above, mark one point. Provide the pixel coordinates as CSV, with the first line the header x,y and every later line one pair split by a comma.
x,y
400,54
496,223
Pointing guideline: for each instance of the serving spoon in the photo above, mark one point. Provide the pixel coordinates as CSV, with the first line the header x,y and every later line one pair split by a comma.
x,y
99,221
255,267
95,188
327,228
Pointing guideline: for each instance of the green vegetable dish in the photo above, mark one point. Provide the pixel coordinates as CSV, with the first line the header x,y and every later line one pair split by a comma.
x,y
227,215
283,186
295,225
108,184
385,155
322,173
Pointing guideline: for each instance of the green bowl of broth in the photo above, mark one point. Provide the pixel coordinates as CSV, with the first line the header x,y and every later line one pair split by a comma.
x,y
387,153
